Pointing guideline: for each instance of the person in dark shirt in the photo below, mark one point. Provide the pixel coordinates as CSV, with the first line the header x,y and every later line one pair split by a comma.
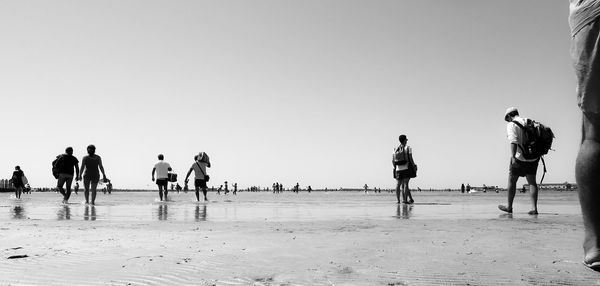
x,y
66,163
89,168
17,180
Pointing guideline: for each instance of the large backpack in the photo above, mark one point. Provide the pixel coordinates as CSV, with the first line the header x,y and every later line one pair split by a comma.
x,y
400,156
56,164
538,141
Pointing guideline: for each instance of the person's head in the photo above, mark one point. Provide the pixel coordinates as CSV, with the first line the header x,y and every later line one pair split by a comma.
x,y
196,158
510,113
200,156
69,150
17,168
161,157
402,138
91,149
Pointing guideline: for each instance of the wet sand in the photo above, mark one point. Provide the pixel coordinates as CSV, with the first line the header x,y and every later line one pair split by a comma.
x,y
289,239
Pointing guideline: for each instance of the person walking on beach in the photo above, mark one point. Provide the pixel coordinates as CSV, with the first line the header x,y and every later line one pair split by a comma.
x,y
17,181
162,170
584,21
66,164
235,188
199,167
90,165
401,161
519,166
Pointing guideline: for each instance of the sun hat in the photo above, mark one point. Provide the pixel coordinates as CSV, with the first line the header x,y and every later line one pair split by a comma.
x,y
509,111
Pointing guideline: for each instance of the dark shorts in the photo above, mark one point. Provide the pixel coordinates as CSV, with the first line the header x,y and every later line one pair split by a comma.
x,y
18,184
585,52
402,174
162,182
91,179
200,183
64,178
522,168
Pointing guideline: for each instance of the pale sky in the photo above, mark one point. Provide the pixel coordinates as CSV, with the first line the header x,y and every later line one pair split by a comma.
x,y
315,92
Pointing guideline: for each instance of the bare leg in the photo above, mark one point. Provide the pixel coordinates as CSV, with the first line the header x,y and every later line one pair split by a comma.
x,y
586,172
534,193
61,190
398,189
204,191
512,190
198,194
408,193
86,192
68,192
94,187
166,191
160,192
404,192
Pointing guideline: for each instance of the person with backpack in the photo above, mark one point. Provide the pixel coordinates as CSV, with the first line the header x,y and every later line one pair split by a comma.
x,y
584,21
403,164
162,170
520,166
63,166
90,165
17,181
201,162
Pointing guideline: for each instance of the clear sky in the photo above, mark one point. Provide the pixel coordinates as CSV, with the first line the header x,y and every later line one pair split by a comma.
x,y
314,92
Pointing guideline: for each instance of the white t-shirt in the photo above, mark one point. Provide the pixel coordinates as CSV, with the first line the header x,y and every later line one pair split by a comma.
x,y
196,167
162,169
408,151
516,135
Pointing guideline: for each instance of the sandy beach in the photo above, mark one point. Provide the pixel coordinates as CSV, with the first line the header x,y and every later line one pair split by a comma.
x,y
289,239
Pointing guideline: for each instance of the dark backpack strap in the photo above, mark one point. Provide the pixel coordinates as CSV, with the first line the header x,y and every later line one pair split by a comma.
x,y
544,174
518,124
201,169
522,128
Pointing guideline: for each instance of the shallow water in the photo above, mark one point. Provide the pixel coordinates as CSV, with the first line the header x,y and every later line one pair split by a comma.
x,y
316,206
335,238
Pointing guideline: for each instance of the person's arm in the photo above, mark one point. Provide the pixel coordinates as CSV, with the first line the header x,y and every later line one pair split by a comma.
x,y
77,178
153,170
511,131
83,161
410,156
513,152
101,168
188,175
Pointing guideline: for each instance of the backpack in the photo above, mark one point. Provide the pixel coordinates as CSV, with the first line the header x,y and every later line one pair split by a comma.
x,y
538,139
400,157
56,164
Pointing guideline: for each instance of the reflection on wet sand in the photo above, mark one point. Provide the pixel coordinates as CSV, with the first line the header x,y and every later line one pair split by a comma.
x,y
403,211
162,212
89,212
64,213
200,213
18,212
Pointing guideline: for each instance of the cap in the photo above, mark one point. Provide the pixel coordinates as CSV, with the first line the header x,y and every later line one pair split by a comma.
x,y
509,111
